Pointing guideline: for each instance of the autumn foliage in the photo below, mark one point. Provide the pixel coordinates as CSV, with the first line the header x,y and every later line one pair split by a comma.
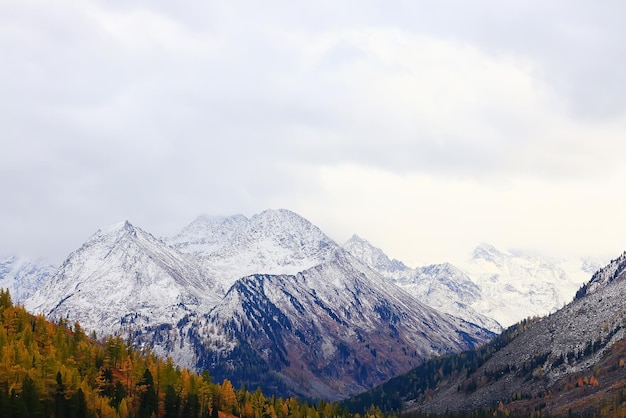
x,y
55,370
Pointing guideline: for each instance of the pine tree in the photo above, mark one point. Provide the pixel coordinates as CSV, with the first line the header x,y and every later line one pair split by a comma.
x,y
171,402
31,398
149,401
60,404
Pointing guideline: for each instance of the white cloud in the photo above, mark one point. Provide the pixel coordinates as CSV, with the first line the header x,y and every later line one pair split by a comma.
x,y
441,123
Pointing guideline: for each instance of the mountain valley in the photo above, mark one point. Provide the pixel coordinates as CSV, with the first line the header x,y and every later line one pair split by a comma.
x,y
569,361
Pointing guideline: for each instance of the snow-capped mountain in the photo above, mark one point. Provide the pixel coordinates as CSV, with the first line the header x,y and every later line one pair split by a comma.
x,y
271,242
377,259
302,315
492,287
441,286
517,285
22,276
123,278
206,234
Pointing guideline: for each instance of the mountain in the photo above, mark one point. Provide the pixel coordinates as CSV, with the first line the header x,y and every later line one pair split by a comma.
x,y
22,276
271,242
516,285
493,288
571,361
377,259
269,301
327,332
123,279
441,286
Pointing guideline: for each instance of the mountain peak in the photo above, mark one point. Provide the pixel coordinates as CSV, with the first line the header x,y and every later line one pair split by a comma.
x,y
275,241
486,252
116,229
373,256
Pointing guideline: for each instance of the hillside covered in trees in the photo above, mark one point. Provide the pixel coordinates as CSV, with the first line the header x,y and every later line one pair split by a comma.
x,y
56,370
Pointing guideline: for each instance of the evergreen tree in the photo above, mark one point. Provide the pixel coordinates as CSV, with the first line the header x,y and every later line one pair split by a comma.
x,y
214,410
192,406
149,402
171,402
31,398
60,404
77,405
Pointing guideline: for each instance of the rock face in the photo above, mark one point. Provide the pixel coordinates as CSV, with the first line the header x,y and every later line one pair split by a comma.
x,y
23,276
569,360
268,301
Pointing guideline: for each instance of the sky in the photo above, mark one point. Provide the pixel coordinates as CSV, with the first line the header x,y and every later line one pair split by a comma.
x,y
425,127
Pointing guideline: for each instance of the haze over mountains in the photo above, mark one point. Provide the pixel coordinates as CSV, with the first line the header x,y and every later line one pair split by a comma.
x,y
491,285
271,300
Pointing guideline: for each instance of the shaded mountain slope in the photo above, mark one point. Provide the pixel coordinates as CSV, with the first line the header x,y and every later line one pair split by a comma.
x,y
327,332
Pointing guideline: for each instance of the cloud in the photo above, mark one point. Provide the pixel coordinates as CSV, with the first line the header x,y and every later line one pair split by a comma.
x,y
158,112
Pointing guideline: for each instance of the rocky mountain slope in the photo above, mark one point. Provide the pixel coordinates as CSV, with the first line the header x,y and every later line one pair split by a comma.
x,y
268,301
22,276
332,330
441,286
571,360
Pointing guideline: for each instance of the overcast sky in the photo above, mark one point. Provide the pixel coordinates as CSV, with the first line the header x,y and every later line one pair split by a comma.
x,y
425,127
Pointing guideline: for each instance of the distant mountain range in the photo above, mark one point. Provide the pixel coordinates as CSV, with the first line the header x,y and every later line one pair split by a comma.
x,y
268,301
493,288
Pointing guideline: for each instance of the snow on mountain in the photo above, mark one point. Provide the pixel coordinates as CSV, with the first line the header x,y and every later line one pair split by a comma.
x,y
544,358
271,242
492,288
205,235
302,315
615,270
123,278
377,259
441,286
22,276
329,331
517,285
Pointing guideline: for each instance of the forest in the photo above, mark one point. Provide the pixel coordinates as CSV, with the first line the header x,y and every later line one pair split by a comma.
x,y
56,370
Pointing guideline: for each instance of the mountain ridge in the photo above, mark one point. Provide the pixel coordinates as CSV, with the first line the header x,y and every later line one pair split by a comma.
x,y
183,305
